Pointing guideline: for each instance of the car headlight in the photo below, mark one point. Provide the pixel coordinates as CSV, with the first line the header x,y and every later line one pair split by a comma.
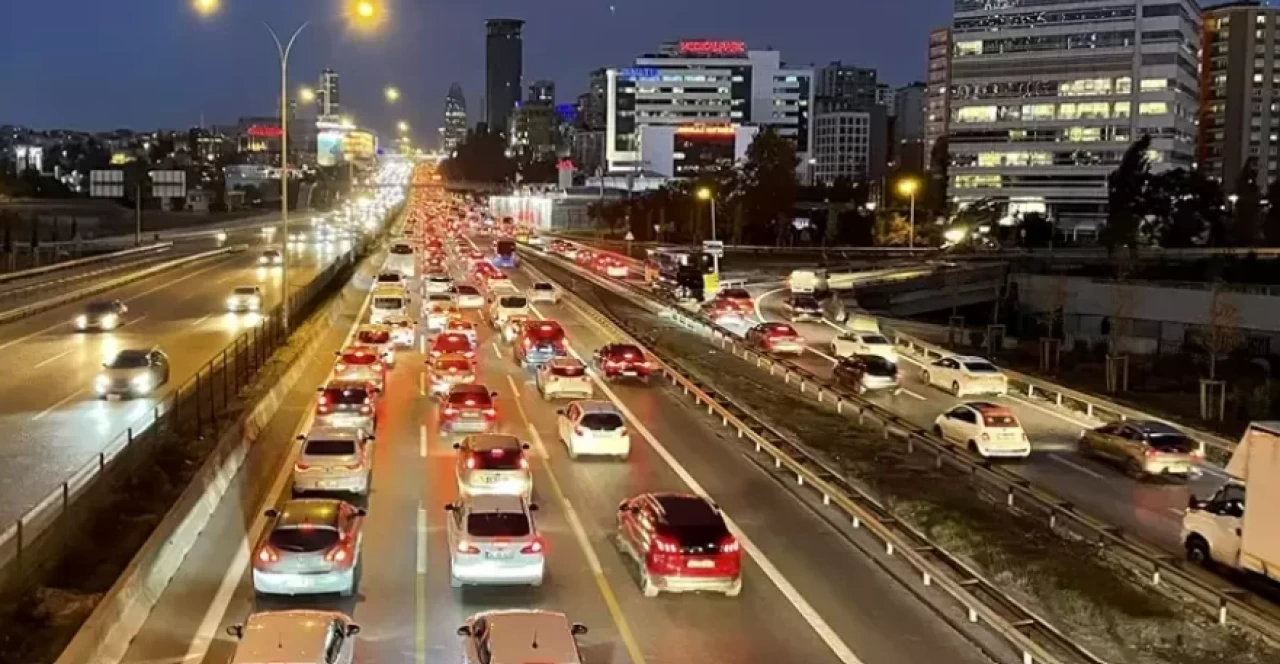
x,y
101,383
82,321
254,303
231,302
141,383
109,321
263,260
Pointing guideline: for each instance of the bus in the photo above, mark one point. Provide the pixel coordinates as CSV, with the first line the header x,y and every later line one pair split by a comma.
x,y
684,274
505,254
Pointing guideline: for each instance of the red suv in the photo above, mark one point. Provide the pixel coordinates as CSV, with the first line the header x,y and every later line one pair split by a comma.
x,y
468,408
622,361
538,342
452,343
681,544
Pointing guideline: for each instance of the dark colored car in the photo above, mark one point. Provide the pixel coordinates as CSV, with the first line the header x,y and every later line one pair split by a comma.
x,y
616,361
865,373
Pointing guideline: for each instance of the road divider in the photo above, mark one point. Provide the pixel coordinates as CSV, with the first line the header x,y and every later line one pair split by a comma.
x,y
88,260
1169,573
87,291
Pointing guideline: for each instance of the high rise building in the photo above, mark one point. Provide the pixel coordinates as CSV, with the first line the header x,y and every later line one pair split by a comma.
x,y
908,127
454,129
1239,118
1046,101
542,92
842,138
937,91
714,85
503,70
327,95
856,86
593,105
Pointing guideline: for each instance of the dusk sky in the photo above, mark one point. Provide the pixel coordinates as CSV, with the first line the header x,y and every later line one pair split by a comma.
x,y
145,64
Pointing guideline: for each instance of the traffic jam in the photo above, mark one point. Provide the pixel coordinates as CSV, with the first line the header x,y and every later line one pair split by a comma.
x,y
435,300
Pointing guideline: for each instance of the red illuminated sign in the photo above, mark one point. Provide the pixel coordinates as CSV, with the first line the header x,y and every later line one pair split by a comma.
x,y
265,131
713,47
705,130
565,165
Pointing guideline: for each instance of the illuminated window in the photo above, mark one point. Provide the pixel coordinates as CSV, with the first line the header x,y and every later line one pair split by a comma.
x,y
993,159
1257,78
1083,134
1121,109
1155,156
1096,109
1085,87
976,114
1151,84
1038,112
1068,111
969,48
1124,85
1153,108
977,181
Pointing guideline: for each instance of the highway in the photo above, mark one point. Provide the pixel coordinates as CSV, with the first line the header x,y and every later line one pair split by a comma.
x,y
809,595
54,424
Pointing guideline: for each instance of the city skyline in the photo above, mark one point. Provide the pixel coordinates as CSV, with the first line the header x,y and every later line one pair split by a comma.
x,y
178,83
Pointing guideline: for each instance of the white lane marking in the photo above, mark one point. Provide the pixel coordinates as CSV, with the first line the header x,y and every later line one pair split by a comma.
x,y
1072,464
514,388
821,354
55,358
201,320
422,537
802,606
1050,411
913,394
422,441
422,344
496,351
1177,510
33,334
760,298
422,384
171,283
55,406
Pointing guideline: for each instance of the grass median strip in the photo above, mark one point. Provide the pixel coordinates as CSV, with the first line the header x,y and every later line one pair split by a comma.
x,y
1069,582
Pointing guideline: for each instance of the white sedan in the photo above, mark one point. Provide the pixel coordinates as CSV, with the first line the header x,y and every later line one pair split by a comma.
x,y
963,375
594,428
563,377
864,343
468,297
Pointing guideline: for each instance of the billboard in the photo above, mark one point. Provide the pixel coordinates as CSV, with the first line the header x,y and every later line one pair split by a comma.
x,y
329,147
169,184
360,145
106,184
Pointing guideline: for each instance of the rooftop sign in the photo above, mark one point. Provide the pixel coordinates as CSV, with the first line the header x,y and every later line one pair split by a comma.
x,y
713,47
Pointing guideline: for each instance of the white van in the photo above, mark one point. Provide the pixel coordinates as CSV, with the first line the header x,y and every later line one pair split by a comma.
x,y
807,281
387,303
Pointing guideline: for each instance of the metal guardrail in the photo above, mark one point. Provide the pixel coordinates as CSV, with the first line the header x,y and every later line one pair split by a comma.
x,y
1163,571
1217,448
78,262
1030,636
59,300
63,284
189,410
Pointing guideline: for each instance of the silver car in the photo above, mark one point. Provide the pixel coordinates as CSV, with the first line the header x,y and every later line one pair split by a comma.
x,y
544,291
334,459
245,298
311,546
493,463
493,541
516,636
299,635
105,315
132,373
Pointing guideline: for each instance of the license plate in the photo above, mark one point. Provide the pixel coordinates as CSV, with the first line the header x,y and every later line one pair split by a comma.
x,y
628,373
489,479
327,484
497,555
701,564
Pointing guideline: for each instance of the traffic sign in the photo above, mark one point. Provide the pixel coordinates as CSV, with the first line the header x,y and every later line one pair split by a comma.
x,y
106,184
714,247
630,237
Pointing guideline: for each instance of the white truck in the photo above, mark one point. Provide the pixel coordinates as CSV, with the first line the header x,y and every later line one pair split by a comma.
x,y
1223,529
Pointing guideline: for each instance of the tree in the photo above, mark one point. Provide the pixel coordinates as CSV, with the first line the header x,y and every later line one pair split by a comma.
x,y
769,186
892,229
1037,231
1245,231
1183,207
1126,198
936,189
1271,224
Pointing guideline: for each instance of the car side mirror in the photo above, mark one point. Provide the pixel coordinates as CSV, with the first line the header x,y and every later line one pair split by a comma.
x,y
320,390
1194,503
236,631
337,353
578,629
449,507
352,630
104,365
301,437
271,513
493,395
465,630
360,511
560,412
524,446
457,446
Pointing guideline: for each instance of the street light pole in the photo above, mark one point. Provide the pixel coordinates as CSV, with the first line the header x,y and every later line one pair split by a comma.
x,y
284,50
911,241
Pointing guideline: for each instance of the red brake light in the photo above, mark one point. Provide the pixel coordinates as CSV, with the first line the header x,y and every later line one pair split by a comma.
x,y
471,463
730,545
340,367
268,555
337,555
301,466
324,399
450,411
524,463
534,547
665,545
490,412
467,547
470,402
377,366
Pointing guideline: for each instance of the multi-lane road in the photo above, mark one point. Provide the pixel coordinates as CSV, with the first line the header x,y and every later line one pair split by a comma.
x,y
53,422
808,595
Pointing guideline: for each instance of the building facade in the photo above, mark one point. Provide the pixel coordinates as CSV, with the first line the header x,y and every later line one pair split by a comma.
x,y
542,92
841,145
503,70
937,97
1044,101
705,83
856,85
690,150
327,97
1240,92
454,129
908,127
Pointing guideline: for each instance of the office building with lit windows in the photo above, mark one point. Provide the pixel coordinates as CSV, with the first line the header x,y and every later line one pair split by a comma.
x,y
1240,92
937,95
454,130
703,83
1046,96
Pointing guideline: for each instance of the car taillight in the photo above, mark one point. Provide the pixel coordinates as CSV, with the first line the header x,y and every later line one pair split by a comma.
x,y
622,431
664,544
323,408
377,366
268,555
467,547
469,354
301,466
490,412
471,463
579,431
1150,451
528,342
450,411
524,463
533,547
340,367
356,465
324,400
366,409
729,545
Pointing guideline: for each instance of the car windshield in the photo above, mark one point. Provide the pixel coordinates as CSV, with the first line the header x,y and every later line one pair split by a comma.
x,y
568,371
499,458
806,302
980,366
129,359
512,302
453,365
781,331
692,522
374,336
402,249
1174,443
467,290
389,277
303,538
602,421
346,396
545,332
497,524
246,290
452,342
388,302
999,420
322,447
99,308
874,340
878,366
543,286
440,280
470,399
735,294
625,353
360,357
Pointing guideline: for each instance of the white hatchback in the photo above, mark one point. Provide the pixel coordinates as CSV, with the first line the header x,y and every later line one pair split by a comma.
x,y
563,378
594,428
297,635
493,541
985,428
334,459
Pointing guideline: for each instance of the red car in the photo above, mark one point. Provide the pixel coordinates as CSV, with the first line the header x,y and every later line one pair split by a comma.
x,y
584,257
468,408
737,298
681,544
622,361
722,312
776,338
453,343
361,363
539,342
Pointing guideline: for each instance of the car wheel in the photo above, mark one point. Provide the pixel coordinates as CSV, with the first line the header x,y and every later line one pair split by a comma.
x,y
1198,551
647,587
955,388
973,447
925,377
937,431
1133,469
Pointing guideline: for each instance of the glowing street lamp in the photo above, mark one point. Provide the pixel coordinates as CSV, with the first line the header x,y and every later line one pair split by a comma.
x,y
307,95
392,94
365,9
705,194
206,7
907,187
403,127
